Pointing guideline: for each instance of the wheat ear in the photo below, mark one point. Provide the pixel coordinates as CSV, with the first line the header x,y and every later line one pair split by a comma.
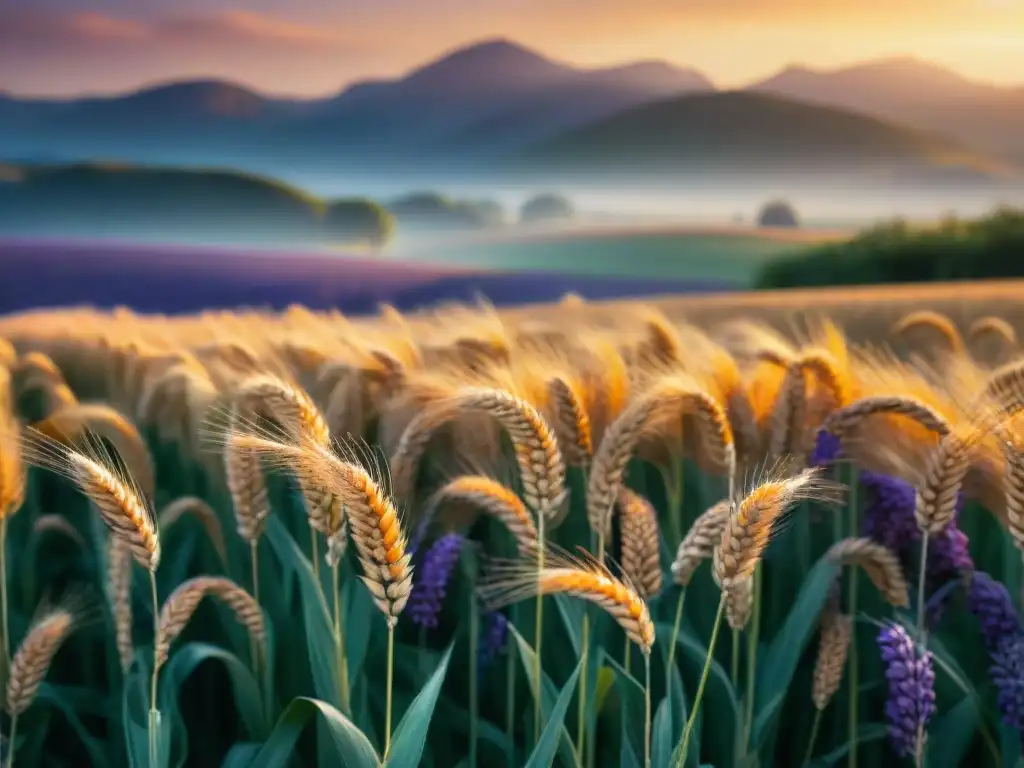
x,y
750,527
700,542
790,413
247,488
739,604
666,398
177,610
405,461
833,647
841,421
203,512
1006,386
641,544
1013,486
112,492
995,326
936,496
495,499
33,658
571,422
53,523
509,582
926,318
119,587
880,564
541,467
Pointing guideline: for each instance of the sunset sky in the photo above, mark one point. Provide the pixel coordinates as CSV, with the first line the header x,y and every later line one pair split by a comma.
x,y
314,47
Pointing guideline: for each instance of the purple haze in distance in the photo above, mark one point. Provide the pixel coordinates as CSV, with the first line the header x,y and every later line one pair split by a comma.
x,y
177,279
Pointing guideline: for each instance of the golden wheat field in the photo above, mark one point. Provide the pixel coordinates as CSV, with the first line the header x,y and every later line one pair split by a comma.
x,y
772,530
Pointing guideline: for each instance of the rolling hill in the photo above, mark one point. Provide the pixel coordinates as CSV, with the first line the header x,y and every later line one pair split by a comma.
x,y
214,121
743,133
917,93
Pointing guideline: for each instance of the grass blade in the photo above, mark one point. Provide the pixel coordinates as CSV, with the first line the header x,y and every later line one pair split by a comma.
x,y
544,752
411,733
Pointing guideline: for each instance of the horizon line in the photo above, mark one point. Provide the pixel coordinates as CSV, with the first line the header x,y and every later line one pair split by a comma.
x,y
445,53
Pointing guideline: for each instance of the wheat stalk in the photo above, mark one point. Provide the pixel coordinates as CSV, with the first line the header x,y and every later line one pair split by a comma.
x,y
571,422
833,647
750,527
665,399
582,577
112,492
193,505
926,318
843,420
739,604
177,610
495,499
880,564
641,544
700,542
119,588
33,658
541,468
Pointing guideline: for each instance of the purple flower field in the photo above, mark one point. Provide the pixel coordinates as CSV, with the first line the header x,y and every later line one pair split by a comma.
x,y
174,279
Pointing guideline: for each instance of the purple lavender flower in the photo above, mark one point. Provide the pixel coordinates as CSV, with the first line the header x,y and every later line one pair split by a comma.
x,y
827,447
429,590
990,601
911,687
889,516
493,638
1008,675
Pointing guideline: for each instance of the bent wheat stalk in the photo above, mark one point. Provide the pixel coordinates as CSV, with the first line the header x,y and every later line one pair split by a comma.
x,y
584,578
744,539
30,665
880,564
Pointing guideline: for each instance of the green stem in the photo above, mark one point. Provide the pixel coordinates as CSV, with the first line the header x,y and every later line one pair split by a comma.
x,y
734,669
626,657
681,757
675,637
339,643
581,711
253,648
510,705
154,713
852,659
390,684
314,554
673,488
10,740
814,736
538,637
647,709
922,637
753,637
474,641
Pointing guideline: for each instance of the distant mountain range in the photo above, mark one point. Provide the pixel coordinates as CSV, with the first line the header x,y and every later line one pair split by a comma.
x,y
478,107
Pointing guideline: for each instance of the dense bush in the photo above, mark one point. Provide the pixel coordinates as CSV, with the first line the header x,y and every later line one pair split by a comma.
x,y
358,221
896,252
434,211
546,207
777,213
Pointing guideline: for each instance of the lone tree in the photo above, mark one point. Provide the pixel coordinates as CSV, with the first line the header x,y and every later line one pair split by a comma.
x,y
546,207
358,220
777,213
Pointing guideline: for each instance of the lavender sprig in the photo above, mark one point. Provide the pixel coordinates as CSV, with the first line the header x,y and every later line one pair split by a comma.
x,y
990,601
429,591
1008,676
493,638
911,678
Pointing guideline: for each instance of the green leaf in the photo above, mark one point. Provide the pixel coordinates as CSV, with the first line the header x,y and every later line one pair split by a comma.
x,y
1010,743
319,629
247,697
866,733
605,681
549,694
668,724
950,735
631,695
241,755
775,673
544,752
351,747
411,734
572,618
93,747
